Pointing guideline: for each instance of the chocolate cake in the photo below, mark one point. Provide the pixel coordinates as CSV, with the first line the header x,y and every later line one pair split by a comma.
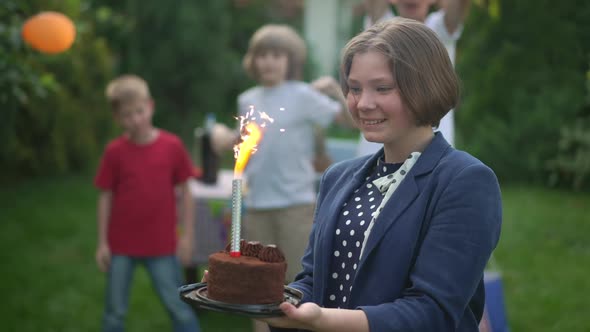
x,y
256,277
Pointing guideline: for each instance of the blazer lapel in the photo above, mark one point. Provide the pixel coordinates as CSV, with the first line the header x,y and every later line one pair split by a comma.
x,y
329,219
405,194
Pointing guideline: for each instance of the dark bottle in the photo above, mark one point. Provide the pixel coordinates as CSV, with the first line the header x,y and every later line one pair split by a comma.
x,y
209,159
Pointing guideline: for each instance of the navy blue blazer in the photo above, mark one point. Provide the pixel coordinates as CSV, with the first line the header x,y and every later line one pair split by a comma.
x,y
422,267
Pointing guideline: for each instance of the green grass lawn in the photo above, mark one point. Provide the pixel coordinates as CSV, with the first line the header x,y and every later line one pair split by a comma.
x,y
544,255
50,281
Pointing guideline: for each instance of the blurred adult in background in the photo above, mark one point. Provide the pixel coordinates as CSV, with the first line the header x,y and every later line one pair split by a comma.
x,y
444,17
376,11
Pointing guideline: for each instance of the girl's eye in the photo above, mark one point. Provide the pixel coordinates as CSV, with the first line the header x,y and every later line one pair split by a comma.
x,y
384,88
355,90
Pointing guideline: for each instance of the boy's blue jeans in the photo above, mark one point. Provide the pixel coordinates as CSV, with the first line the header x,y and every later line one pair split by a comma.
x,y
165,273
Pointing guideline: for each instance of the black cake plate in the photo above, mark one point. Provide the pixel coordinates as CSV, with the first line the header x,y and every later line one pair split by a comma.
x,y
196,296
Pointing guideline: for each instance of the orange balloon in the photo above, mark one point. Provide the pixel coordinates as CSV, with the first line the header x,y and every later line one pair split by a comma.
x,y
49,32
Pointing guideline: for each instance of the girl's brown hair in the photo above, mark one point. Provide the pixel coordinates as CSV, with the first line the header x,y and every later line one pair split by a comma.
x,y
419,64
280,38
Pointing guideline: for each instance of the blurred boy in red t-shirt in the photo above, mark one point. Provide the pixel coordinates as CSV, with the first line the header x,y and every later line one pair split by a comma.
x,y
137,177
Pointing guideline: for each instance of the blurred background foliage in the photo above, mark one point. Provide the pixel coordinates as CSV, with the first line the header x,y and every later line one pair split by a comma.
x,y
52,107
526,101
524,66
55,118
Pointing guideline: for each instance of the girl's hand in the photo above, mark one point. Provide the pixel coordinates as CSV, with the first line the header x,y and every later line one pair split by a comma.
x,y
307,316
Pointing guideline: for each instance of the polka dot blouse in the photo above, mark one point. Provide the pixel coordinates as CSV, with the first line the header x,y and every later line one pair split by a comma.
x,y
355,216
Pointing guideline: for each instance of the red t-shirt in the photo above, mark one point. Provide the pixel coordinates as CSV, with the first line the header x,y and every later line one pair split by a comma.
x,y
142,179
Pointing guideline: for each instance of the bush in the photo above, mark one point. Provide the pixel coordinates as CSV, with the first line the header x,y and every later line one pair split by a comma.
x,y
571,166
56,118
183,51
523,68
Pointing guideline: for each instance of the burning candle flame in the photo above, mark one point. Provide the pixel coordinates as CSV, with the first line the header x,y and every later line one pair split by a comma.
x,y
251,135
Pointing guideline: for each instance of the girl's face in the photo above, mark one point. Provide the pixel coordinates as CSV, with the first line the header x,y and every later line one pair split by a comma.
x,y
271,67
374,101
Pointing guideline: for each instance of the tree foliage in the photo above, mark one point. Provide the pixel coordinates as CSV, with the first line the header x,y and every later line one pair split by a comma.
x,y
190,53
54,115
571,165
523,66
56,118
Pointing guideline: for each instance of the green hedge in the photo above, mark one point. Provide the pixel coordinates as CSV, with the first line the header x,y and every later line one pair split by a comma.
x,y
52,105
523,66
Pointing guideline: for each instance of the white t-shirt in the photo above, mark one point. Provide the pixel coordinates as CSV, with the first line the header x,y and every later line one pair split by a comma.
x,y
386,16
280,174
436,22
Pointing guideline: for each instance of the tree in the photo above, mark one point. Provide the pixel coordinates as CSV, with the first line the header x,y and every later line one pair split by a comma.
x,y
53,105
523,66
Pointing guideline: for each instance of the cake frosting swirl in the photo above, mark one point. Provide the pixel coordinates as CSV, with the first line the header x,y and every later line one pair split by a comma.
x,y
271,254
252,249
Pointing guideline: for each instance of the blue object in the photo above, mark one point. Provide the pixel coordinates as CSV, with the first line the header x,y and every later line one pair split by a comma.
x,y
494,307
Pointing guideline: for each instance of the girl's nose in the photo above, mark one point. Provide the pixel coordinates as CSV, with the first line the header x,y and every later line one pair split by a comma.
x,y
366,101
